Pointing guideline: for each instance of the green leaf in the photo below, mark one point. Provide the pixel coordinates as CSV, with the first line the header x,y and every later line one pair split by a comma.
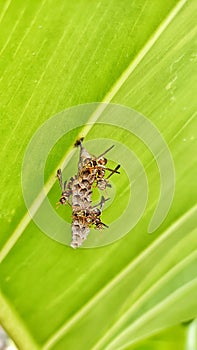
x,y
55,55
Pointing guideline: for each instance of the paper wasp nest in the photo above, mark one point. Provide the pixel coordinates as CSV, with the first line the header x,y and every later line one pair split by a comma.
x,y
77,193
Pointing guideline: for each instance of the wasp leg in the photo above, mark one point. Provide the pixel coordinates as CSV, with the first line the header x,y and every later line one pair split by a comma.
x,y
66,191
65,183
59,176
66,202
101,203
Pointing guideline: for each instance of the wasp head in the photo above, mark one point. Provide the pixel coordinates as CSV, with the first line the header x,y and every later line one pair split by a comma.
x,y
102,161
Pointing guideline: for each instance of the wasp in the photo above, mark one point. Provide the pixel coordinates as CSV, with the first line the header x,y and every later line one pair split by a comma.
x,y
83,220
80,191
94,168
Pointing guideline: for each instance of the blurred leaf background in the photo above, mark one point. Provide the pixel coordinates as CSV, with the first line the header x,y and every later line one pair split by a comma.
x,y
140,292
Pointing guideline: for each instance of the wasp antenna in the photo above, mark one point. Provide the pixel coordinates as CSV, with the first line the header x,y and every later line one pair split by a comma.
x,y
103,200
107,150
113,171
104,224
